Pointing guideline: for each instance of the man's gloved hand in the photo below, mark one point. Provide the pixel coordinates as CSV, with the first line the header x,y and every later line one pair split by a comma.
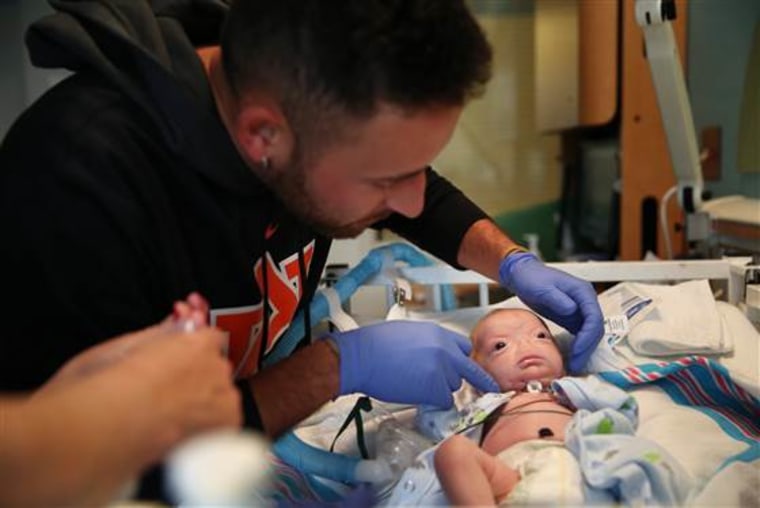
x,y
568,301
411,362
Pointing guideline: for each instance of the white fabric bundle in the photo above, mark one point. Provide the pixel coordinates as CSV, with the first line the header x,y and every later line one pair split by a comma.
x,y
684,320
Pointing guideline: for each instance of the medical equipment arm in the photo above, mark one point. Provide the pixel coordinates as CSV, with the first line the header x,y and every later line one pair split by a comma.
x,y
654,17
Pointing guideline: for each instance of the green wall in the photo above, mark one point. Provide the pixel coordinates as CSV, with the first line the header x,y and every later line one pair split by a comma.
x,y
537,219
719,39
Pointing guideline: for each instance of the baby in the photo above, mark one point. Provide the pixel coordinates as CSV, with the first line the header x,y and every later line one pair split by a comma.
x,y
548,440
517,349
558,440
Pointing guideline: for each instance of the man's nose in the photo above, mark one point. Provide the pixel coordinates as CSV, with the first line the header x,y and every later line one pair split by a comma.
x,y
407,197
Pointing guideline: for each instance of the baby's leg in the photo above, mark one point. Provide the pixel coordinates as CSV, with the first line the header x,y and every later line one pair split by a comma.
x,y
470,476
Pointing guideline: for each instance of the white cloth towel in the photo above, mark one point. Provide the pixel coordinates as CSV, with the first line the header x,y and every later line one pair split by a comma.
x,y
685,320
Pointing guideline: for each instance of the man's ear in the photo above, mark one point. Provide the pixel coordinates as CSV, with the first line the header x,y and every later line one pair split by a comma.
x,y
258,132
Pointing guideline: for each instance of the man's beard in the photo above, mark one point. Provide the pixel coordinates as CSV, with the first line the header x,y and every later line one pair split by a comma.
x,y
289,185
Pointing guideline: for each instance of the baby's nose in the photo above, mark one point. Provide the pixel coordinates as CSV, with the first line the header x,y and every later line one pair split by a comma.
x,y
527,340
521,340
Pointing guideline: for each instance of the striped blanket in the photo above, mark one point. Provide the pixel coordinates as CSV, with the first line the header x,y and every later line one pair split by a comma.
x,y
706,386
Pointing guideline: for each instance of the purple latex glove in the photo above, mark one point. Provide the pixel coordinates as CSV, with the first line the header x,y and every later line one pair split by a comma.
x,y
568,301
412,362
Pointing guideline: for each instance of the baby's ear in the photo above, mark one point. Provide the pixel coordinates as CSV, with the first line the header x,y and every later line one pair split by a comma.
x,y
564,341
474,353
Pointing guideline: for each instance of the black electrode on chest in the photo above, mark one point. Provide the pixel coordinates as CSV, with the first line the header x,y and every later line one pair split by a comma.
x,y
544,432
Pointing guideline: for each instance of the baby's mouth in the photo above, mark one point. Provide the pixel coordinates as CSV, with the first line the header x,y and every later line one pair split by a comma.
x,y
528,361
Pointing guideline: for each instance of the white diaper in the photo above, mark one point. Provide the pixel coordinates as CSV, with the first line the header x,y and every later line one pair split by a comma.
x,y
549,474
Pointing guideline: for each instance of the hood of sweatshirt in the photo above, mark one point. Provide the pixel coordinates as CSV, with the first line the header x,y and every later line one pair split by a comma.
x,y
147,49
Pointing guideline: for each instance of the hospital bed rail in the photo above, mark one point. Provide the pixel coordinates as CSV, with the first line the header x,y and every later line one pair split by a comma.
x,y
734,271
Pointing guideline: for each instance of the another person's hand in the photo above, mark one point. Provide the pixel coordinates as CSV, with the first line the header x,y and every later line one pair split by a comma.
x,y
194,310
189,383
408,361
568,301
101,356
135,397
183,381
176,384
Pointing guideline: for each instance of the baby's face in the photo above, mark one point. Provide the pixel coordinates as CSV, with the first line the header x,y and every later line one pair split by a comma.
x,y
515,347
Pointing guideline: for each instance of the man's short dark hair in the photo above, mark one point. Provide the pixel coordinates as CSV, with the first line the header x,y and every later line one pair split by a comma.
x,y
323,59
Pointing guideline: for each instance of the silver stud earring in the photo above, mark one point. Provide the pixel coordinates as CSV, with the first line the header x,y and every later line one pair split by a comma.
x,y
264,162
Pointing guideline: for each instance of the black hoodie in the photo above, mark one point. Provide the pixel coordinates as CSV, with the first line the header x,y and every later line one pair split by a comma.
x,y
121,192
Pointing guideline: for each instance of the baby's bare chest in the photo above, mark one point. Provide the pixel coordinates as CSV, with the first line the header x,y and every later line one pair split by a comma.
x,y
526,416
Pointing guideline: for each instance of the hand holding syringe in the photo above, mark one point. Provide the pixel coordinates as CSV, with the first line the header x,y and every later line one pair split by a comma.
x,y
188,316
226,467
144,393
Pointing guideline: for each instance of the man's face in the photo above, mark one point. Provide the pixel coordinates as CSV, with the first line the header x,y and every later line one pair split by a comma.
x,y
515,347
376,170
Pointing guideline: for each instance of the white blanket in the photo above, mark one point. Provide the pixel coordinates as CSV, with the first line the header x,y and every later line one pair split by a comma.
x,y
684,320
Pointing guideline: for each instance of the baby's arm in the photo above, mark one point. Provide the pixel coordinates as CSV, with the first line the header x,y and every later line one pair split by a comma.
x,y
470,476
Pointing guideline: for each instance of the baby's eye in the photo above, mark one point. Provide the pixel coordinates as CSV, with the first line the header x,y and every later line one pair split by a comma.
x,y
501,344
542,335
